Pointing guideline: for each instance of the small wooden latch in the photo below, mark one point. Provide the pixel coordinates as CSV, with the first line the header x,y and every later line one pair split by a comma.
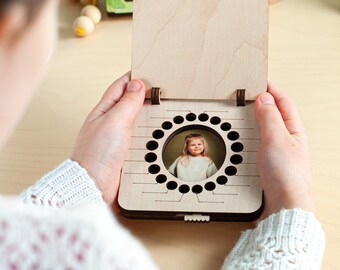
x,y
155,96
241,97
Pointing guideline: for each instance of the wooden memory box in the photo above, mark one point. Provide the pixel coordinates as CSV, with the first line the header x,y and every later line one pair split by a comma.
x,y
204,63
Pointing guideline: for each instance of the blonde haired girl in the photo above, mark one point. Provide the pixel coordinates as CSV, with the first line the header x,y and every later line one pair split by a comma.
x,y
195,163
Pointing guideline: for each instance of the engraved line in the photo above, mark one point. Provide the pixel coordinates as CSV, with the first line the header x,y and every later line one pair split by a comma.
x,y
232,194
241,119
137,149
169,200
141,137
205,201
155,192
241,128
216,111
250,139
160,117
144,183
178,111
127,160
237,185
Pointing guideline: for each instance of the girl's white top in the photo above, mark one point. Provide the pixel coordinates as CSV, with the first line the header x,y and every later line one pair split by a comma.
x,y
193,168
62,223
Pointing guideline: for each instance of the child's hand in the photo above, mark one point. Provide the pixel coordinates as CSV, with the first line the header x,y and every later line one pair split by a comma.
x,y
103,140
283,157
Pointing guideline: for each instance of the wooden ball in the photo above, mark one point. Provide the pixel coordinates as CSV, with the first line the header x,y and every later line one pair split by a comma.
x,y
83,26
92,12
86,2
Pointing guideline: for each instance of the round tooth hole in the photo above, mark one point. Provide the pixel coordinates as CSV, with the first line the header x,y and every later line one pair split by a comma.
x,y
215,120
230,170
167,125
236,159
197,189
154,169
203,117
233,135
158,134
222,180
160,179
178,119
172,185
150,157
226,126
191,117
184,189
152,145
210,186
237,147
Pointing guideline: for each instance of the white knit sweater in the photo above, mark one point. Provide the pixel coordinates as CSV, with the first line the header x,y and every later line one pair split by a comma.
x,y
64,224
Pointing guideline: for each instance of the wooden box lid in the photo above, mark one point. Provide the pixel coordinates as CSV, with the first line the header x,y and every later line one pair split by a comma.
x,y
199,49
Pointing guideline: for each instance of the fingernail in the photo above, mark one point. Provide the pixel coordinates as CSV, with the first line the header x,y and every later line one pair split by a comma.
x,y
267,99
134,85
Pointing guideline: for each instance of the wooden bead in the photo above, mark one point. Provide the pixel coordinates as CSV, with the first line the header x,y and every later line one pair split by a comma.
x,y
83,26
92,12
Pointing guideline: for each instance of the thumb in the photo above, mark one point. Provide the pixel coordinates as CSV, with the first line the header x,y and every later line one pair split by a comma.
x,y
131,101
268,116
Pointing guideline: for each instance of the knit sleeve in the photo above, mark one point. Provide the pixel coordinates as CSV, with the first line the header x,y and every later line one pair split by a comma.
x,y
87,238
291,239
67,186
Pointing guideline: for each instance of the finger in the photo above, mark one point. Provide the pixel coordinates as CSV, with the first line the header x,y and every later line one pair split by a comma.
x,y
111,97
130,103
268,116
288,111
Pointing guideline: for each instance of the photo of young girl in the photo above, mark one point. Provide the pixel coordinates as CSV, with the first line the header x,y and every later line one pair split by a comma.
x,y
194,164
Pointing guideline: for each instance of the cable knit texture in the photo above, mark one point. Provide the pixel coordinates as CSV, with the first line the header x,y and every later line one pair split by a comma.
x,y
289,240
64,224
66,186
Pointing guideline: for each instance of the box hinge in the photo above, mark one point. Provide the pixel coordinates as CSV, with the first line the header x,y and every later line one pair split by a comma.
x,y
241,97
156,96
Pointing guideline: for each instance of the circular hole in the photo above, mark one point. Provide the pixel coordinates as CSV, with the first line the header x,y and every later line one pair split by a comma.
x,y
215,120
178,120
222,180
154,169
237,147
194,153
197,189
160,179
210,186
167,125
203,117
158,134
171,185
236,159
152,145
226,126
230,170
191,117
150,157
233,135
184,189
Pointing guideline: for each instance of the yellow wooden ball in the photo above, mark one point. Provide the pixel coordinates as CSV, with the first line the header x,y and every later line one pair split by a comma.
x,y
92,12
83,26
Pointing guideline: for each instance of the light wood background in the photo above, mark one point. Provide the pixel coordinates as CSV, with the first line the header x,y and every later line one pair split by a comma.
x,y
304,61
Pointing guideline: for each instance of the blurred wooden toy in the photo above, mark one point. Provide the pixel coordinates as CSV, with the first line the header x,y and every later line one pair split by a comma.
x,y
119,6
90,15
